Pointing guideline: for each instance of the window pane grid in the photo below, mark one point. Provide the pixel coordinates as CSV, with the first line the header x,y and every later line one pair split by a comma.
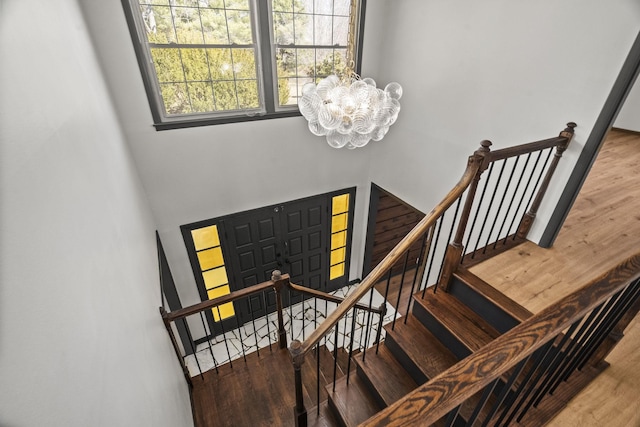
x,y
206,242
339,225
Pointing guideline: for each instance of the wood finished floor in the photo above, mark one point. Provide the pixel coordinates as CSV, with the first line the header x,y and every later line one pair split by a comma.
x,y
602,229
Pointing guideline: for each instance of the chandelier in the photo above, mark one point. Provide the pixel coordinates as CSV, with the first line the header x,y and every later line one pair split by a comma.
x,y
347,110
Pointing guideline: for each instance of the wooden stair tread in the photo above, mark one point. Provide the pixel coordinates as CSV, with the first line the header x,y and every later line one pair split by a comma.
x,y
351,403
462,322
421,346
499,299
387,379
322,418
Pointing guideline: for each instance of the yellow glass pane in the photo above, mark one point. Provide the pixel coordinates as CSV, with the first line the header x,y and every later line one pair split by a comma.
x,y
210,258
215,278
340,204
218,292
336,271
338,240
206,237
223,311
339,222
338,256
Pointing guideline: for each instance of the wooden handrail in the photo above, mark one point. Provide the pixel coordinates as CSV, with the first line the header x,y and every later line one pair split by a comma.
x,y
531,147
436,398
473,165
331,298
235,295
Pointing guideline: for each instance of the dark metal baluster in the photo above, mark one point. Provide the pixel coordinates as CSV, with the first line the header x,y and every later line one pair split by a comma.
x,y
224,335
486,394
366,339
452,416
318,378
291,314
477,212
208,334
383,311
435,248
240,334
193,349
486,216
549,369
430,253
540,357
513,198
524,193
304,315
588,326
400,286
611,324
266,310
253,321
353,330
453,224
504,195
505,390
544,167
415,279
335,358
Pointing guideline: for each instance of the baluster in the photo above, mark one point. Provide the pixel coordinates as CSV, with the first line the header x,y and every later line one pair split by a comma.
x,y
416,273
353,330
264,304
317,349
513,198
504,195
276,277
383,312
299,411
486,216
224,335
193,349
404,272
172,336
477,212
505,390
488,390
208,334
366,339
435,248
527,220
335,358
244,356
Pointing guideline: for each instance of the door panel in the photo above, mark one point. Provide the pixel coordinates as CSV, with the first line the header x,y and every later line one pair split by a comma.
x,y
255,249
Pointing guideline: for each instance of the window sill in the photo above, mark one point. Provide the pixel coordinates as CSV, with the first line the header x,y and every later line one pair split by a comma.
x,y
188,123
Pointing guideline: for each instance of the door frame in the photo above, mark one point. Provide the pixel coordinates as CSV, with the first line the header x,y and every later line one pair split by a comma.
x,y
216,328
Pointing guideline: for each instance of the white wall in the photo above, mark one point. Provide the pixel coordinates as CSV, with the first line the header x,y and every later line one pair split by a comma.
x,y
200,173
629,116
510,72
81,340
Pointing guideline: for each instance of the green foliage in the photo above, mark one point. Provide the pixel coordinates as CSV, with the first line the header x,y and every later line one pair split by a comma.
x,y
194,80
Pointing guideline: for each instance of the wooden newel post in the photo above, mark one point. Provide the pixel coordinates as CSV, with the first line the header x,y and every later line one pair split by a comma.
x,y
527,219
276,277
299,411
455,249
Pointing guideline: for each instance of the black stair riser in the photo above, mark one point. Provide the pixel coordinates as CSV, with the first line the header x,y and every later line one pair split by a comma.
x,y
490,312
414,371
370,387
441,332
336,412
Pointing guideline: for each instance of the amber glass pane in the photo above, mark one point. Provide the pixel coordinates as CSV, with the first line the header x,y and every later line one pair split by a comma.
x,y
218,292
206,237
339,222
340,204
223,311
210,258
336,271
215,278
338,240
338,255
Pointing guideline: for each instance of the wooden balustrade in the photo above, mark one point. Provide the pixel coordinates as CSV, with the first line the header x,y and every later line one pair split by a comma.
x,y
441,395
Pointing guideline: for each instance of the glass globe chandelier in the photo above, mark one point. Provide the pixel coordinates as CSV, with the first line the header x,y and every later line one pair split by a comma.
x,y
347,110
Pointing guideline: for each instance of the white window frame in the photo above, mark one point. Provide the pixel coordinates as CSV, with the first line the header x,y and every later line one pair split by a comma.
x,y
266,70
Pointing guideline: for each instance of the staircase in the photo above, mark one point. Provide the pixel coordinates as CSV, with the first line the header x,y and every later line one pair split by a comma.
x,y
464,354
441,329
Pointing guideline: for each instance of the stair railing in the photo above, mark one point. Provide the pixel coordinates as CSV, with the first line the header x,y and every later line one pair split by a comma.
x,y
203,355
516,182
506,206
562,345
428,231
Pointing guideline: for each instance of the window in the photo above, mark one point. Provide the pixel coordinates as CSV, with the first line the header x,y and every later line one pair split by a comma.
x,y
219,61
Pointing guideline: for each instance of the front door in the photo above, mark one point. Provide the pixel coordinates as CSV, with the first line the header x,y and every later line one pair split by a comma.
x,y
298,238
